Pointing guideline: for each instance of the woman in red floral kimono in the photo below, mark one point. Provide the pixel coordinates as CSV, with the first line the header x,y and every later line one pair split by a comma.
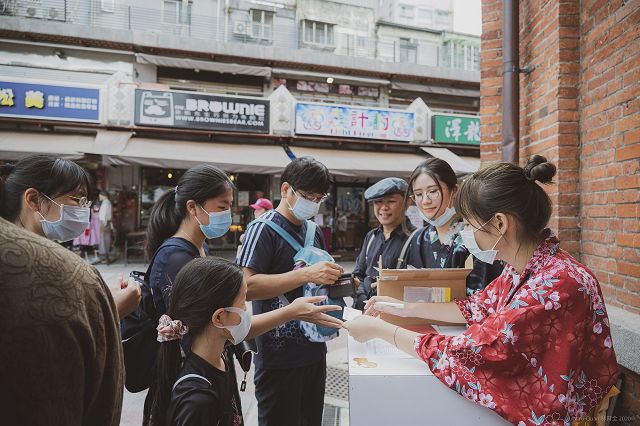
x,y
538,348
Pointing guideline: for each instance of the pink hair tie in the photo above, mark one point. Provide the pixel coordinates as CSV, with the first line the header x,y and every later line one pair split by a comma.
x,y
169,329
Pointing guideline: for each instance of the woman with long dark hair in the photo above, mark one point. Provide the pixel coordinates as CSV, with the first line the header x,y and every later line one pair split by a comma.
x,y
432,187
61,358
199,208
50,197
538,347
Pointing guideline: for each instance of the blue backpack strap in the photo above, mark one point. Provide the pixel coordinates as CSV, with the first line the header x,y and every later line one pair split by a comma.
x,y
280,230
310,238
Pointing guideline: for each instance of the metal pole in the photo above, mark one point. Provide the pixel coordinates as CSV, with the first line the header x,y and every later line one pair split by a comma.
x,y
510,82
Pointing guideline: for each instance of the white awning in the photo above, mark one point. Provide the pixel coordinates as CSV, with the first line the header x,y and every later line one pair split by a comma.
x,y
235,158
473,162
222,67
16,145
339,78
441,90
459,164
362,163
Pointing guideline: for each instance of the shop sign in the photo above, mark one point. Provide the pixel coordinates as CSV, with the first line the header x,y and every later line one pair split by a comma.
x,y
456,129
351,122
65,103
192,110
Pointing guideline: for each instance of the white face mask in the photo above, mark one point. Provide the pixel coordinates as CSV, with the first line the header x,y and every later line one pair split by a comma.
x,y
239,331
303,209
440,220
469,241
72,223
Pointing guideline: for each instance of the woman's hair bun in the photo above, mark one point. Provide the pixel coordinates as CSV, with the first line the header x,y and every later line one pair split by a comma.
x,y
6,169
539,169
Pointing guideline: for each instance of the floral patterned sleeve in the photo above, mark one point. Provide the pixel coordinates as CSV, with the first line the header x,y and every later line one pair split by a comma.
x,y
539,359
481,304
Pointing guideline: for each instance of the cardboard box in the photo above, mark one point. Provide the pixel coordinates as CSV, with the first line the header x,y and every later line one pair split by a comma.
x,y
393,281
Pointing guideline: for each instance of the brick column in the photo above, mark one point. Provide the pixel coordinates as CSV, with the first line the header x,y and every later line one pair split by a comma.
x,y
549,40
610,154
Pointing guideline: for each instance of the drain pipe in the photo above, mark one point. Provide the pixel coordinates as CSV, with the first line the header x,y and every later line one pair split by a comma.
x,y
510,82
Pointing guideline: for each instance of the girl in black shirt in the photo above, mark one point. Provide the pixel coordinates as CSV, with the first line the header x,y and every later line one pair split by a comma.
x,y
208,305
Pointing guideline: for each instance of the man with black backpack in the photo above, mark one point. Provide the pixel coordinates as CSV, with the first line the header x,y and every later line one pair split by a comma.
x,y
291,362
388,241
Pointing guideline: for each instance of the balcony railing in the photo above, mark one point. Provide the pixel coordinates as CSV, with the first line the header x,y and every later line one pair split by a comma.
x,y
177,18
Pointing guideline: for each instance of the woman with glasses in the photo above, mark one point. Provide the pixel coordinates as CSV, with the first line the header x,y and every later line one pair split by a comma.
x,y
50,197
432,187
538,349
60,325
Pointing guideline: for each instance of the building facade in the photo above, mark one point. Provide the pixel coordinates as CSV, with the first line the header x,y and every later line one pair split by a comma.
x,y
139,91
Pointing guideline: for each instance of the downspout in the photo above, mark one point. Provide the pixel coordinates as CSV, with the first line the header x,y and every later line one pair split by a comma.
x,y
510,82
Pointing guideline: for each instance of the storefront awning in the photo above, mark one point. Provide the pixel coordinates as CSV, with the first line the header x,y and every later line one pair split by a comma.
x,y
191,64
440,90
339,78
235,158
16,145
362,163
459,164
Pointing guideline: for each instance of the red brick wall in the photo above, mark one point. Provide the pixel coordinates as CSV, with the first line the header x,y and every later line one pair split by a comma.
x,y
610,147
580,109
549,40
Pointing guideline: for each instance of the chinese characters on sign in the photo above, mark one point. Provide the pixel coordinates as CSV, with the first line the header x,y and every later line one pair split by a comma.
x,y
26,100
313,119
201,111
456,129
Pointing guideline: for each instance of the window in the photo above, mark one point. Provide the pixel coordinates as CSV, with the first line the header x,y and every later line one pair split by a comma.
x,y
320,33
176,12
108,5
407,11
425,17
408,50
261,24
443,19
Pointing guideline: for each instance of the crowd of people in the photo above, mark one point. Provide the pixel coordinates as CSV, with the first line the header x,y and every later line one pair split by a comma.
x,y
530,307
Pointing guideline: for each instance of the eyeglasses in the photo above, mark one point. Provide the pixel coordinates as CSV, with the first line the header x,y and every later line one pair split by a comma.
x,y
318,199
432,195
82,201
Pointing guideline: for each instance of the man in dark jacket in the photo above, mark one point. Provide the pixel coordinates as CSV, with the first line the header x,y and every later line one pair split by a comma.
x,y
387,240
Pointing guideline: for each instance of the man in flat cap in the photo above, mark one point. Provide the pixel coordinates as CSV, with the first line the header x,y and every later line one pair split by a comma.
x,y
387,240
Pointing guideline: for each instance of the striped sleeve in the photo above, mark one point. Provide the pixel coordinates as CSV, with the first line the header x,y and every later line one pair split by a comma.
x,y
255,253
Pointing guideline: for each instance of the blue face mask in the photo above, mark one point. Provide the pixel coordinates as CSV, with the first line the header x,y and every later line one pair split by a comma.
x,y
72,223
303,209
219,223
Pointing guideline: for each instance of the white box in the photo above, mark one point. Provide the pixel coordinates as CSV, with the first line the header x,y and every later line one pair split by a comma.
x,y
401,390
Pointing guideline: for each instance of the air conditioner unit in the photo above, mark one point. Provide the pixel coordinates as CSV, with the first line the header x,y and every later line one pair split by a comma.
x,y
35,9
242,28
54,14
33,12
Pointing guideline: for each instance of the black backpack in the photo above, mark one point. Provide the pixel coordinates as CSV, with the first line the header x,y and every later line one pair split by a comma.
x,y
139,334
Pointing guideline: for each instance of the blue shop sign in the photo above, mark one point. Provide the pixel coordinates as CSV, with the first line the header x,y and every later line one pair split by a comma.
x,y
65,103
